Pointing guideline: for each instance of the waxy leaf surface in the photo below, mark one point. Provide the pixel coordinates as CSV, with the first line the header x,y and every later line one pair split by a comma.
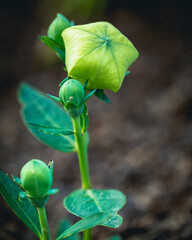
x,y
84,203
85,223
22,207
63,226
39,109
51,130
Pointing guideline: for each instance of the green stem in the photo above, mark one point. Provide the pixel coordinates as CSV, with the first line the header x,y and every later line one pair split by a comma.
x,y
43,222
82,154
83,163
87,234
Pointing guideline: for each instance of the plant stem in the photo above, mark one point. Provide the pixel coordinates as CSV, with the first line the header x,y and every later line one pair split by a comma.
x,y
83,163
82,154
87,234
43,222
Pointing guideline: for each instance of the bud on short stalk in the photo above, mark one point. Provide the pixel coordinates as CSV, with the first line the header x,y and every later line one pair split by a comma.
x,y
36,180
72,94
56,28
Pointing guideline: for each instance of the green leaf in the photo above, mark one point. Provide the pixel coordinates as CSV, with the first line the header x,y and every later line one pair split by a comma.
x,y
52,191
101,95
89,95
17,180
50,130
60,51
127,73
49,42
86,223
40,109
22,207
63,226
64,80
55,98
84,203
84,120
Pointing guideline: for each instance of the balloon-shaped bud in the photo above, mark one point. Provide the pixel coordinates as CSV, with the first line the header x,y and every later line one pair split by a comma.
x,y
36,179
72,94
56,28
98,52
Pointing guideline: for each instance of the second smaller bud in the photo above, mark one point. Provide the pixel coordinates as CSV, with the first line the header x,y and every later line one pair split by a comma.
x,y
72,94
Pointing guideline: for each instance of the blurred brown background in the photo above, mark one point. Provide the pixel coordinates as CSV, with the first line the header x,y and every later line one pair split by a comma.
x,y
140,144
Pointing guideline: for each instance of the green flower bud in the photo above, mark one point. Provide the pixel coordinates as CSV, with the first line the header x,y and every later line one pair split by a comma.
x,y
72,94
98,52
56,28
36,179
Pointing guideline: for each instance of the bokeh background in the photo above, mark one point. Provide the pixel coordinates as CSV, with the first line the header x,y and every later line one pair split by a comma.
x,y
140,144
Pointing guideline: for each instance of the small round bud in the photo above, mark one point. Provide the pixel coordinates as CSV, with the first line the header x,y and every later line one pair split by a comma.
x,y
36,179
73,91
56,28
72,94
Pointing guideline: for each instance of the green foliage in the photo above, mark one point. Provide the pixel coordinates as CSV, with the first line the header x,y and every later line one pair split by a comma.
x,y
84,203
88,96
60,51
85,223
101,95
63,226
22,207
84,120
39,109
51,130
54,39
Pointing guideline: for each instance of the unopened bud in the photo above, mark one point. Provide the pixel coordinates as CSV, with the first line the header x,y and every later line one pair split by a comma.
x,y
72,94
56,28
36,179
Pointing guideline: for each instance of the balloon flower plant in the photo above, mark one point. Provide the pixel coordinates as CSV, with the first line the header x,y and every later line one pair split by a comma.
x,y
96,57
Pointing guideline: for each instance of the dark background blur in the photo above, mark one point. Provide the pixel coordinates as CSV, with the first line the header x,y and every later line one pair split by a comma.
x,y
141,144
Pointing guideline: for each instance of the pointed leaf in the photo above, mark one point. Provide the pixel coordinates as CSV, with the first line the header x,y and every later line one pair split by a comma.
x,y
63,226
50,42
50,130
86,223
60,51
85,87
84,203
127,73
88,96
55,98
101,95
40,109
21,206
65,80
84,120
52,191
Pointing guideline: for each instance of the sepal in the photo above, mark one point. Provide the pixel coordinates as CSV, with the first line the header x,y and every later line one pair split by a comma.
x,y
101,95
53,191
17,180
55,98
